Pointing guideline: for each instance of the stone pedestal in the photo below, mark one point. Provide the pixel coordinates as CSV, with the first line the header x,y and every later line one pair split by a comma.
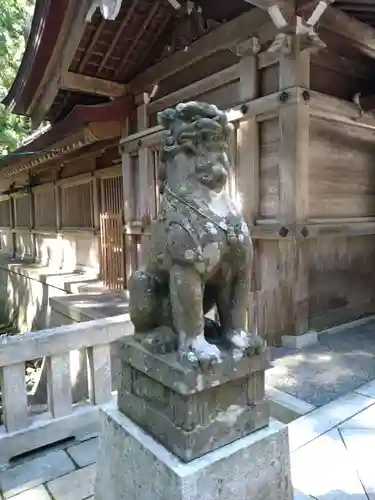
x,y
132,465
190,411
183,433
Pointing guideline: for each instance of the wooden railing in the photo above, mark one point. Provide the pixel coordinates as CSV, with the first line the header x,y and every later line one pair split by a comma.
x,y
21,430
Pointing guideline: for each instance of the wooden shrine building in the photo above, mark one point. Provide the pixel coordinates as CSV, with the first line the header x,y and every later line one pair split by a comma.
x,y
296,77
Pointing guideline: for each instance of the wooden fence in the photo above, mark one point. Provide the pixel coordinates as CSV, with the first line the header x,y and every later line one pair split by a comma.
x,y
21,430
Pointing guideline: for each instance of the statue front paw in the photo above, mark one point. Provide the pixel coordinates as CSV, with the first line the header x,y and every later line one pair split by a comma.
x,y
200,353
248,342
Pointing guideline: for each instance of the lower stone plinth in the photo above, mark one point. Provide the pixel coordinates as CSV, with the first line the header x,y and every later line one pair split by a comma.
x,y
133,466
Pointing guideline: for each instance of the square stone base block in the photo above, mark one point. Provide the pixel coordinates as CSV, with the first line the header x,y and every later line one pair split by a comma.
x,y
133,466
299,341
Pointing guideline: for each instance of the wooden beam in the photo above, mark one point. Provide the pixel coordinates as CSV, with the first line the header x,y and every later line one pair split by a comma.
x,y
339,110
222,38
343,65
360,35
211,82
62,63
280,11
91,85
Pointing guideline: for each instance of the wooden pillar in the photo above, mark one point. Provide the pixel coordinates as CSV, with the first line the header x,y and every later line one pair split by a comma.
x,y
294,71
12,225
248,138
247,175
95,202
33,237
58,207
146,194
126,164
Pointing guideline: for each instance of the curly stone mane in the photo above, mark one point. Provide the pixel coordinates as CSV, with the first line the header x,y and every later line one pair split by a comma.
x,y
191,127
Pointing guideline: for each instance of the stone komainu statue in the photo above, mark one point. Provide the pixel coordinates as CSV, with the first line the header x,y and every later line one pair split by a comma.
x,y
200,245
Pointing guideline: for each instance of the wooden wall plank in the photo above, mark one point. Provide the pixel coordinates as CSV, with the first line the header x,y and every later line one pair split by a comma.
x,y
342,181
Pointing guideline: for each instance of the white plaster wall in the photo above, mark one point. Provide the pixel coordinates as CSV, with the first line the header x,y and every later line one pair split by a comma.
x,y
24,245
6,242
68,251
46,266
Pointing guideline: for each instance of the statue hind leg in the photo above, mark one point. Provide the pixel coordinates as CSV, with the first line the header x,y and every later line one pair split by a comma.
x,y
143,303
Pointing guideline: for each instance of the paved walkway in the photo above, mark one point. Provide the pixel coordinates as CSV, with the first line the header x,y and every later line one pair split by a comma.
x,y
340,362
332,458
63,473
332,446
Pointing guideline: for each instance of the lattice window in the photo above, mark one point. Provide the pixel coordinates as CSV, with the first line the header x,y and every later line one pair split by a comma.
x,y
77,206
22,211
5,213
45,207
112,194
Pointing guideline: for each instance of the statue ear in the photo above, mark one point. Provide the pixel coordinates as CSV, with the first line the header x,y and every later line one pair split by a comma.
x,y
166,118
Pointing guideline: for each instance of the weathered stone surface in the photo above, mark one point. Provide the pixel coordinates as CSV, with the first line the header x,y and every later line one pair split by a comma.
x,y
84,453
189,411
77,485
185,379
33,473
200,252
255,467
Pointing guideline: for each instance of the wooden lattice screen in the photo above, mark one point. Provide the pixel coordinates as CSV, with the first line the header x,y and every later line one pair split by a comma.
x,y
77,205
5,213
111,231
45,207
22,213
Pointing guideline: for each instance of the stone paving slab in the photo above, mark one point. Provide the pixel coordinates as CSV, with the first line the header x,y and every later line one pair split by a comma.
x,y
77,485
85,453
324,470
364,420
298,495
360,444
34,473
367,390
38,493
310,426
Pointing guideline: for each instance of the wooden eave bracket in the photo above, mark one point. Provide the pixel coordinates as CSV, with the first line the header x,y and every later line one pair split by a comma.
x,y
289,24
108,8
250,46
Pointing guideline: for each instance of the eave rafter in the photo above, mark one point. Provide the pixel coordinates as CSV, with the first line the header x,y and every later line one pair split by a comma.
x,y
90,85
290,21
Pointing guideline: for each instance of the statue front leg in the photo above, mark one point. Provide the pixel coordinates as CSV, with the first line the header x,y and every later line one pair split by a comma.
x,y
232,307
186,291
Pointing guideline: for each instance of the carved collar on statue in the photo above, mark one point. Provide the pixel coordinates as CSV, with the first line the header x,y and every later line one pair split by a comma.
x,y
233,225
